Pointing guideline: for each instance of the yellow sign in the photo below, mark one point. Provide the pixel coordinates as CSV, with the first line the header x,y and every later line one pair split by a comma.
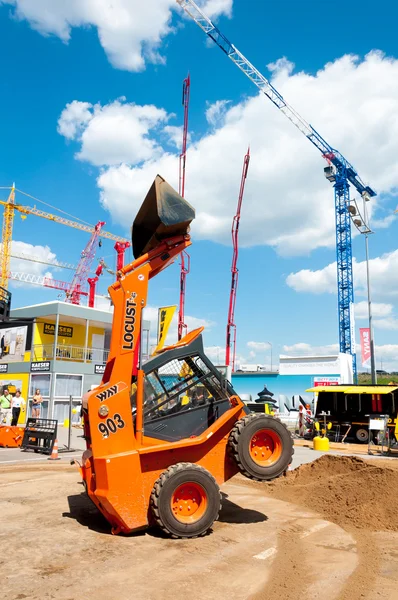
x,y
166,314
63,330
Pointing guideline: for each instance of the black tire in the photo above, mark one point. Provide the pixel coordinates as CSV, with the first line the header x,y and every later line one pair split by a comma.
x,y
163,501
362,435
282,450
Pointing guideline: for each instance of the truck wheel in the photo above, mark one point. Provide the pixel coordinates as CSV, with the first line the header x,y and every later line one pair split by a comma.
x,y
185,501
262,447
362,435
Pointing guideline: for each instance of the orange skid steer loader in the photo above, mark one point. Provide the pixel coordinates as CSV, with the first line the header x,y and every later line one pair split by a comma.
x,y
164,435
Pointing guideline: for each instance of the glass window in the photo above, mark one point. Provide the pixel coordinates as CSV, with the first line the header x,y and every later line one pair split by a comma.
x,y
68,385
180,385
42,382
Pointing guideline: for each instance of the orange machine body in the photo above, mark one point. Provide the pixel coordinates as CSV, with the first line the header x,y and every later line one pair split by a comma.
x,y
121,467
163,435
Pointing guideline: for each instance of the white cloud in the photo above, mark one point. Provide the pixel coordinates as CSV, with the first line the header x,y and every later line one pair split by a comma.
x,y
130,31
303,349
29,267
112,134
386,354
389,323
258,346
43,253
383,223
288,203
216,354
151,314
74,118
213,8
216,112
174,134
379,310
383,277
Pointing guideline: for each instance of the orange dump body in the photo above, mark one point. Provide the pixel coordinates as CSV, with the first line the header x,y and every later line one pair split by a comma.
x,y
11,437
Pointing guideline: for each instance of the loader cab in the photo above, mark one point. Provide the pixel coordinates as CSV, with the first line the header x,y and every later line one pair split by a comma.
x,y
184,393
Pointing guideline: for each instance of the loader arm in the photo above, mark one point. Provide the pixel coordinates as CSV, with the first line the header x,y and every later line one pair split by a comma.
x,y
129,297
159,234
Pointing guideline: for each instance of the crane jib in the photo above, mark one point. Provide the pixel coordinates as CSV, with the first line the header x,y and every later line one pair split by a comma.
x,y
266,87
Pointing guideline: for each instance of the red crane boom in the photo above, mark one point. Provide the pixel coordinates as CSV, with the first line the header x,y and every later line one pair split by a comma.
x,y
83,268
231,327
185,259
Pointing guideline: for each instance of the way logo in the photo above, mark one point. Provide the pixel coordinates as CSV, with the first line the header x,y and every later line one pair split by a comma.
x,y
111,391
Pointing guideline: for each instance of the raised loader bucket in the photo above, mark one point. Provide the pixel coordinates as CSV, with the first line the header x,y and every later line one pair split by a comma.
x,y
163,214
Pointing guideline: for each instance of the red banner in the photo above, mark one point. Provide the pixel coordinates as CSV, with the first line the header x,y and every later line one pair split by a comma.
x,y
365,346
324,381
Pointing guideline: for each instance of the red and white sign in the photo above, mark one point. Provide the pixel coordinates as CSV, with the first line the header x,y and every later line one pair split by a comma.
x,y
364,333
324,381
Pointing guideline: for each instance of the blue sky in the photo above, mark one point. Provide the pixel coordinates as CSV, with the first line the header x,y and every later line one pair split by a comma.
x,y
287,217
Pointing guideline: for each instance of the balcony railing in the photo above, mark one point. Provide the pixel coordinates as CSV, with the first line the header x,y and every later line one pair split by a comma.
x,y
65,352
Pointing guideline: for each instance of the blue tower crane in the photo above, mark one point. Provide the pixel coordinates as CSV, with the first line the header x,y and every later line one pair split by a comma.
x,y
339,172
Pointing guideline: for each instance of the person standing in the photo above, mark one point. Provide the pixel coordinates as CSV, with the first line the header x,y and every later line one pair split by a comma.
x,y
2,346
36,404
5,407
17,404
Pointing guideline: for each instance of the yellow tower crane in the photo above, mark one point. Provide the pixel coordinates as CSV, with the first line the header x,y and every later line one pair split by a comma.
x,y
8,219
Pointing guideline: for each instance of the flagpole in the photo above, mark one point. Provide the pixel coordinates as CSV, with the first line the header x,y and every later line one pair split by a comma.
x,y
372,348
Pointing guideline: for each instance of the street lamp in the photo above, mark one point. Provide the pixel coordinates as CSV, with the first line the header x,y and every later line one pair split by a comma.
x,y
270,345
361,223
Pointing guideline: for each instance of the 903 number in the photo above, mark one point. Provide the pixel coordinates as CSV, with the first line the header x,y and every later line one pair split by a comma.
x,y
111,425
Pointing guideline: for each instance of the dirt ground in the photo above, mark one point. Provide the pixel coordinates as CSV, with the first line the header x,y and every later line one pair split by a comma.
x,y
272,542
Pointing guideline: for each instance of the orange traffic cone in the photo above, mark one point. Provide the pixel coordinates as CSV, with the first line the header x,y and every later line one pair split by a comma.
x,y
54,453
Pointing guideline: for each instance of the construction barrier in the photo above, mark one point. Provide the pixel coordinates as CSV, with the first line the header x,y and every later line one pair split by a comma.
x,y
40,435
11,437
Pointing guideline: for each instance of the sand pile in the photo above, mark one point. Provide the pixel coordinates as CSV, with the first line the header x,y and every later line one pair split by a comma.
x,y
346,490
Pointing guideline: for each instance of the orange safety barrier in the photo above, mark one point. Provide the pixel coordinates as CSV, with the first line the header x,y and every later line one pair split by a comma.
x,y
11,437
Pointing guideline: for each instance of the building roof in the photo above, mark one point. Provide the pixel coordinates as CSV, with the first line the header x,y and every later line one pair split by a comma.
x,y
63,309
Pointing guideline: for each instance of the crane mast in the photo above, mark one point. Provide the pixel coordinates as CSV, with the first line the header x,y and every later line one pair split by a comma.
x,y
231,326
8,222
185,258
339,172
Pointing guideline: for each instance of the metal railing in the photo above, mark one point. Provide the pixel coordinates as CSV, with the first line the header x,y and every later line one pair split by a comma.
x,y
73,353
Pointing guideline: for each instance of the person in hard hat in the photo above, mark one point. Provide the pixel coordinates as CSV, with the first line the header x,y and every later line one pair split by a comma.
x,y
17,404
5,407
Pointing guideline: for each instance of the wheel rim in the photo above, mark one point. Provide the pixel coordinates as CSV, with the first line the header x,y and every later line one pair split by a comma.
x,y
265,447
189,502
362,435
